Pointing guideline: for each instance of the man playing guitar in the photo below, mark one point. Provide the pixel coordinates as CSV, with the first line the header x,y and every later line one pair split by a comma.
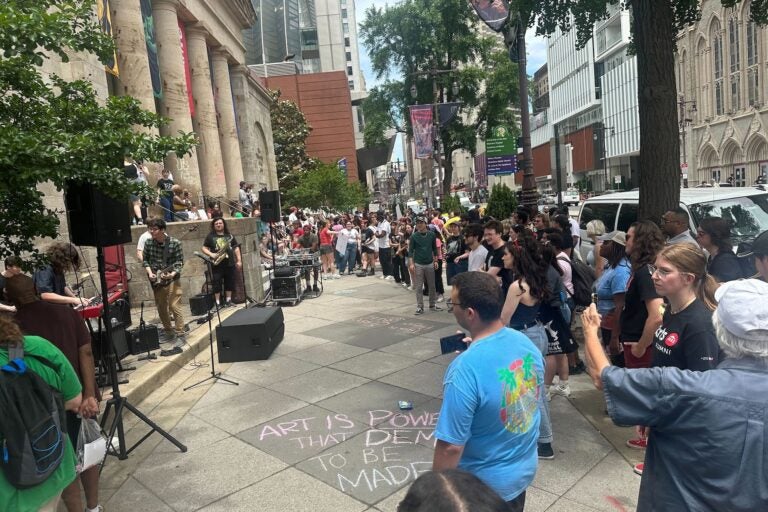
x,y
224,251
164,259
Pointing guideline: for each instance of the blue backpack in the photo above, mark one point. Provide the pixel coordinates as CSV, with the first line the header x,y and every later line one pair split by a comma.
x,y
32,424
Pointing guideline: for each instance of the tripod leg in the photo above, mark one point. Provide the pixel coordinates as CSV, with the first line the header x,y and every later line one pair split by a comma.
x,y
155,428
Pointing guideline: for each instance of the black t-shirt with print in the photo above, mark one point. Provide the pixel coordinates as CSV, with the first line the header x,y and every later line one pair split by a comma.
x,y
215,243
635,313
495,258
687,340
166,187
454,246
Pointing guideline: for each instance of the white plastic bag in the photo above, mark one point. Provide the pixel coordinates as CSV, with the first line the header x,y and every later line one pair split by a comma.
x,y
91,445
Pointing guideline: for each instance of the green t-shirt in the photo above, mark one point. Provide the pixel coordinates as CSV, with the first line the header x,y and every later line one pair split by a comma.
x,y
65,380
423,248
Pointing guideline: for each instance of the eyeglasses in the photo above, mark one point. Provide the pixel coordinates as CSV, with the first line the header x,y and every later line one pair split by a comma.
x,y
664,273
450,304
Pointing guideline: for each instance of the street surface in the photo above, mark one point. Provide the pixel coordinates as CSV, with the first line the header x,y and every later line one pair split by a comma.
x,y
317,426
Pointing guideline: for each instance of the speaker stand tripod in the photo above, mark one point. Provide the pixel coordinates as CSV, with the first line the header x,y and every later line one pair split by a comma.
x,y
118,402
214,374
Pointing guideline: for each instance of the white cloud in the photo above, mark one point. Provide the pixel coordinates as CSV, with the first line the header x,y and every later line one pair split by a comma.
x,y
536,51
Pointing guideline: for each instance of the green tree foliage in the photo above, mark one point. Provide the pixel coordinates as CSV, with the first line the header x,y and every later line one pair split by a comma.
x,y
55,131
289,132
415,36
451,204
655,25
325,186
502,202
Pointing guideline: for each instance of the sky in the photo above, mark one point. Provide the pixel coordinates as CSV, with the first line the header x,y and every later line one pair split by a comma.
x,y
536,50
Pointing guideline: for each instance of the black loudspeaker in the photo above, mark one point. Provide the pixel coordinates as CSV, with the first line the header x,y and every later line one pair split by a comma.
x,y
250,334
138,344
201,304
119,338
286,288
270,206
95,219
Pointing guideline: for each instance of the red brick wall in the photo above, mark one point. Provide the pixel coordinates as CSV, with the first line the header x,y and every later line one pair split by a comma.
x,y
583,149
326,103
542,165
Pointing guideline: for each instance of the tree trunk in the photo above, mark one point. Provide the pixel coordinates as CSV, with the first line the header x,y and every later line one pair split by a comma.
x,y
654,37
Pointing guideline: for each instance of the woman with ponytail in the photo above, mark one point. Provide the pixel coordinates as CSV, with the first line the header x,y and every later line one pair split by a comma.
x,y
686,338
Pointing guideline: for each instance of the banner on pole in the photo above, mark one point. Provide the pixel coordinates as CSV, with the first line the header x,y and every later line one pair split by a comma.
x,y
149,36
105,19
493,12
423,130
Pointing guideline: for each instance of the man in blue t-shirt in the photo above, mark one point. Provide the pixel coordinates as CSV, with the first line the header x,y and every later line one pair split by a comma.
x,y
489,421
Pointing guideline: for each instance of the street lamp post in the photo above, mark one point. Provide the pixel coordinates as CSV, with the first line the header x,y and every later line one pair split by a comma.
x,y
602,130
685,121
433,73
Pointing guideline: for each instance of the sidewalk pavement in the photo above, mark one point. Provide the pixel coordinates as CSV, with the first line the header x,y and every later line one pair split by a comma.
x,y
317,426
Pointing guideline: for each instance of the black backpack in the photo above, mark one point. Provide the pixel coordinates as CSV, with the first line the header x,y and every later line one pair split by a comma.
x,y
32,425
582,277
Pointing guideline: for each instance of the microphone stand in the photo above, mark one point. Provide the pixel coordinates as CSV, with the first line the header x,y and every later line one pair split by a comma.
x,y
214,374
142,324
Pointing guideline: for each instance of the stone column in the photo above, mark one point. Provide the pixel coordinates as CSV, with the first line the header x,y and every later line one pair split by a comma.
x,y
230,145
175,104
209,151
132,59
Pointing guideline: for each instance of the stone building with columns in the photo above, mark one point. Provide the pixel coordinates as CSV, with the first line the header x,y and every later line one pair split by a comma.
x,y
722,82
185,60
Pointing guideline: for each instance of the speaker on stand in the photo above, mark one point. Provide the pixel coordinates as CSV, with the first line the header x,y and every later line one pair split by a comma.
x,y
96,219
269,201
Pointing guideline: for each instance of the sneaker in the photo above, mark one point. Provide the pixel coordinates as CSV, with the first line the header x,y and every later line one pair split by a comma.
x,y
577,368
409,287
168,337
307,290
440,298
638,444
98,508
181,340
419,311
561,389
435,308
406,286
382,277
390,278
638,468
336,276
371,272
545,451
315,288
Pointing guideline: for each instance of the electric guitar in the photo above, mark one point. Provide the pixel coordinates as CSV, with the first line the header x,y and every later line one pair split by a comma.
x,y
162,277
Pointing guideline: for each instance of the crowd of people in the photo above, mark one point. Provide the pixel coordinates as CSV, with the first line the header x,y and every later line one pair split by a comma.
x,y
176,204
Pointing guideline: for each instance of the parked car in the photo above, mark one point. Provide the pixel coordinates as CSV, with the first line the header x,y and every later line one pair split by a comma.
x,y
745,207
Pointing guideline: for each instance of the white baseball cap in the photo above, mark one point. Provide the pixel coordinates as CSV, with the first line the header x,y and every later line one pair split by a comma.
x,y
742,308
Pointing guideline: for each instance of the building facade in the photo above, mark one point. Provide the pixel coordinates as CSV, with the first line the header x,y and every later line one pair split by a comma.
x,y
183,60
722,67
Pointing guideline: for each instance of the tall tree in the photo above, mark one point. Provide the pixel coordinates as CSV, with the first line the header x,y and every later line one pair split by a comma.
x,y
57,131
408,40
655,25
289,132
325,186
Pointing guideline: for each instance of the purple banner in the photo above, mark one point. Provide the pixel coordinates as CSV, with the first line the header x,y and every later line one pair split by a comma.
x,y
423,129
493,12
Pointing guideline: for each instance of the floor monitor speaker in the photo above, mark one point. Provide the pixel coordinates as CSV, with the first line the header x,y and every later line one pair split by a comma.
x,y
250,334
139,343
269,202
95,219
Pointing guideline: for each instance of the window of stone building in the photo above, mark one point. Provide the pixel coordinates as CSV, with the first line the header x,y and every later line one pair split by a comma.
x,y
753,75
734,55
717,57
345,27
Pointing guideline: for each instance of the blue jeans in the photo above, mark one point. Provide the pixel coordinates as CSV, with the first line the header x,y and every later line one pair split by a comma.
x,y
538,336
349,258
167,206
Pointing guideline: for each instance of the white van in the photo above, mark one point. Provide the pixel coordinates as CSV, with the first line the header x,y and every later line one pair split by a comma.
x,y
745,207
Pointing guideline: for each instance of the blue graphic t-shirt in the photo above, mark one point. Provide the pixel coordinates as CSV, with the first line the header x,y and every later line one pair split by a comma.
x,y
490,408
